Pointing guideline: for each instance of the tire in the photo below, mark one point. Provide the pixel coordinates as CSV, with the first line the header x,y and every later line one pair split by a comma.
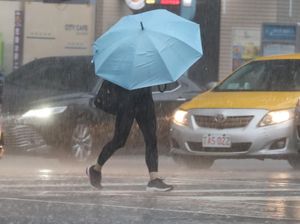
x,y
193,162
294,162
81,142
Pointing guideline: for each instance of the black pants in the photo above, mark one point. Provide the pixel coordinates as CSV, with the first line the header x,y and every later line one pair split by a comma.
x,y
144,113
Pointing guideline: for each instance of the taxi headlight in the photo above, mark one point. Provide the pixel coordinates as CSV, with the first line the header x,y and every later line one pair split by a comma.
x,y
275,117
180,117
44,112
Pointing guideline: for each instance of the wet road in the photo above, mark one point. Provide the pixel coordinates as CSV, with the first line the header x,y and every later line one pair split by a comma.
x,y
38,191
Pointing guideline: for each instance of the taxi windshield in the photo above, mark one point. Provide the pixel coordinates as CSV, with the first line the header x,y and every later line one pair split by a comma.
x,y
268,75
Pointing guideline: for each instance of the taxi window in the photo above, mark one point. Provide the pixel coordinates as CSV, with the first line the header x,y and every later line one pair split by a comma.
x,y
272,75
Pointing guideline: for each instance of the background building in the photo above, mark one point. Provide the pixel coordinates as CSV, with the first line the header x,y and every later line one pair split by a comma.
x,y
242,25
232,31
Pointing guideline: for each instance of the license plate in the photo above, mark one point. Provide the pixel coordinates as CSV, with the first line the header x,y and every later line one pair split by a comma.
x,y
216,140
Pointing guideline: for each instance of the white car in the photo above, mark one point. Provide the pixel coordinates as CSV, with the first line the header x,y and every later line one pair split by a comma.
x,y
251,114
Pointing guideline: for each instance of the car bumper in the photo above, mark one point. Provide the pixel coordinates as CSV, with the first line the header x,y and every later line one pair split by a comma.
x,y
20,137
274,141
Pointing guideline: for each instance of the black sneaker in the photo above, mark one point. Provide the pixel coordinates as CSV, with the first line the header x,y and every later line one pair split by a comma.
x,y
94,176
158,185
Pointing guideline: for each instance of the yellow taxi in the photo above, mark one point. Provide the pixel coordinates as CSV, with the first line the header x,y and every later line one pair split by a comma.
x,y
250,114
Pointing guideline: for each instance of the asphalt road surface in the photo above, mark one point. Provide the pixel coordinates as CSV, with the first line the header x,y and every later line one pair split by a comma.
x,y
41,191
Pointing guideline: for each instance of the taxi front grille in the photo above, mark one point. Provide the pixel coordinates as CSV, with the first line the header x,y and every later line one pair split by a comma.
x,y
225,122
235,147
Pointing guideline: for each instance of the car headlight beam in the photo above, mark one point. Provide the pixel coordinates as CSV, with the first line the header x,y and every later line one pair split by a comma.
x,y
180,117
275,117
44,112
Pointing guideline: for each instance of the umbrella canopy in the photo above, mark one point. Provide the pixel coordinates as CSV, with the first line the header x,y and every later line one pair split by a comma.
x,y
147,49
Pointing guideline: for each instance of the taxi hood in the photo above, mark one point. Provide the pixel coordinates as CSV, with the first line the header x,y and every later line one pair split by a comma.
x,y
243,100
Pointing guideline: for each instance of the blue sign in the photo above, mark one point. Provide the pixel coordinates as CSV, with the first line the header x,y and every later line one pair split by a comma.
x,y
279,32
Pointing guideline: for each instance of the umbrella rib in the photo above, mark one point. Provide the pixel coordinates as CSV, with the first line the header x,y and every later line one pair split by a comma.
x,y
116,47
150,41
179,40
184,43
175,24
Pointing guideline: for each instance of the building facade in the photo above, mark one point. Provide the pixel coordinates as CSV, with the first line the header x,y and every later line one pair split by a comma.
x,y
232,31
241,29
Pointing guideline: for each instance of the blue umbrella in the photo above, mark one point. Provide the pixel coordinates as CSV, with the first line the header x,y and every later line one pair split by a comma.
x,y
147,49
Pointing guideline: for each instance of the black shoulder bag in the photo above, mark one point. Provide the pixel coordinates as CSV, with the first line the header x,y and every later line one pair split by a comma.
x,y
107,98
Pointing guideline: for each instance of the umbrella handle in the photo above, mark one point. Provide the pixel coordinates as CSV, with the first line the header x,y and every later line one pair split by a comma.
x,y
162,89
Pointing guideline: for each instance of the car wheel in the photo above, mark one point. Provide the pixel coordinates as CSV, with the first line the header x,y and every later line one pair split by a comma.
x,y
294,162
81,144
193,162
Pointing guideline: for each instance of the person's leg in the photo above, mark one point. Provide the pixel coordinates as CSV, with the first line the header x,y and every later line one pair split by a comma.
x,y
123,123
146,120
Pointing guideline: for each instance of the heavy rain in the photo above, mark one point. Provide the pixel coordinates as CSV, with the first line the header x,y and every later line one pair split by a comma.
x,y
149,111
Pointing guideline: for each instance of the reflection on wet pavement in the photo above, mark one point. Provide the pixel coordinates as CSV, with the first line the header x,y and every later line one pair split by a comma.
x,y
46,191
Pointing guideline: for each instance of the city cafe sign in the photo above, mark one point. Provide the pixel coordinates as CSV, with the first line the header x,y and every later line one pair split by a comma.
x,y
135,4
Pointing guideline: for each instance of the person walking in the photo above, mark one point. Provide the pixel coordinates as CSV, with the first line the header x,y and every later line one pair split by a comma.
x,y
133,104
